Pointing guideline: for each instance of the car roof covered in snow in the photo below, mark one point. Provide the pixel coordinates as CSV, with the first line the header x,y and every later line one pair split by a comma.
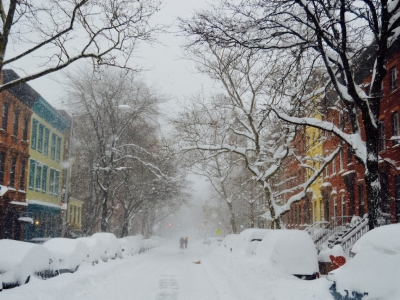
x,y
381,239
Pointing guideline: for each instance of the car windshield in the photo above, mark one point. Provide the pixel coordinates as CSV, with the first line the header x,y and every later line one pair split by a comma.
x,y
199,149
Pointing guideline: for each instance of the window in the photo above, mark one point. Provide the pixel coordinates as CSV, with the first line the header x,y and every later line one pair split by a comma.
x,y
334,208
343,202
25,130
32,168
22,177
334,166
34,133
395,128
393,78
4,116
56,182
44,179
51,186
46,141
382,139
361,199
58,156
15,125
53,145
2,166
349,155
13,164
40,138
38,176
341,163
326,171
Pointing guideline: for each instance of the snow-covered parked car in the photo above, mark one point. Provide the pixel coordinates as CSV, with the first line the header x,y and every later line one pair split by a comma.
x,y
375,268
291,251
227,239
148,244
247,241
71,253
97,249
20,260
111,244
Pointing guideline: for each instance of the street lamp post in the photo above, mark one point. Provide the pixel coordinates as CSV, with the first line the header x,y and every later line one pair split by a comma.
x,y
64,222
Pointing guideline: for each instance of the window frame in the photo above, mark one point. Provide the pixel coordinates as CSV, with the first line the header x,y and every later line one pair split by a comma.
x,y
32,170
395,127
13,168
40,138
393,78
53,146
22,176
44,178
3,156
16,122
35,124
57,183
381,135
58,149
38,185
4,116
51,183
46,141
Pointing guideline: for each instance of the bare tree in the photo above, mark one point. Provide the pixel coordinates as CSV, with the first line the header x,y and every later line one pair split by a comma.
x,y
99,97
55,34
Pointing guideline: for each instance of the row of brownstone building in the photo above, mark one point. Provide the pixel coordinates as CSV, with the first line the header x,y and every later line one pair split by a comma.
x,y
340,193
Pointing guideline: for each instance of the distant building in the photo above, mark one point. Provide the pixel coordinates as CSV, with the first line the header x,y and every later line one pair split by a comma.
x,y
46,151
15,115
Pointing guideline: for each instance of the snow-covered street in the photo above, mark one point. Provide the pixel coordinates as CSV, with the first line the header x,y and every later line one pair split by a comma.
x,y
164,273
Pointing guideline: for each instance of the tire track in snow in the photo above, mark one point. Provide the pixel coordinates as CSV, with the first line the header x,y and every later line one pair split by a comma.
x,y
169,288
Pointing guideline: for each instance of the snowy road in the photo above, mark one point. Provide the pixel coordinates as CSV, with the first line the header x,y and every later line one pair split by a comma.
x,y
165,274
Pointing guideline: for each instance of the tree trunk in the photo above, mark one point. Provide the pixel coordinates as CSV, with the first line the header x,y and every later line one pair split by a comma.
x,y
372,177
232,218
275,224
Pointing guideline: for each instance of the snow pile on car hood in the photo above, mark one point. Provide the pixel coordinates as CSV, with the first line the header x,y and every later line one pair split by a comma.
x,y
292,251
18,260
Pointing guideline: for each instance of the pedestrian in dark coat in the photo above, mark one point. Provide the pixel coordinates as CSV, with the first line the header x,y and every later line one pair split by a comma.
x,y
186,242
181,242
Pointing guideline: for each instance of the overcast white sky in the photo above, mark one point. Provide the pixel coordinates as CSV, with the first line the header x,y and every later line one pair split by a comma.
x,y
164,66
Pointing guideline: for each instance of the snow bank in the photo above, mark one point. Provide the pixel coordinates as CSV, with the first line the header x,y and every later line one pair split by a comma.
x,y
19,260
71,253
292,251
111,243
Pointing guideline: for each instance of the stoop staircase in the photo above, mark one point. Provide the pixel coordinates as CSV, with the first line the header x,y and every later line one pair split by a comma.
x,y
344,231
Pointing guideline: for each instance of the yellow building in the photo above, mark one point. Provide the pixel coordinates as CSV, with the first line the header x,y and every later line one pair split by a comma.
x,y
45,170
74,213
314,149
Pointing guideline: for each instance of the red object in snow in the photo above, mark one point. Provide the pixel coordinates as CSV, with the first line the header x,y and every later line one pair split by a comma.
x,y
337,261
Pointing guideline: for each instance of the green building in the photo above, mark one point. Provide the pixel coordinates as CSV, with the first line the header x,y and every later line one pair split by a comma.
x,y
45,166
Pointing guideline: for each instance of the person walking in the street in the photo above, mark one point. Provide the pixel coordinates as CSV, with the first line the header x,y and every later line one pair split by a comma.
x,y
181,242
186,242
